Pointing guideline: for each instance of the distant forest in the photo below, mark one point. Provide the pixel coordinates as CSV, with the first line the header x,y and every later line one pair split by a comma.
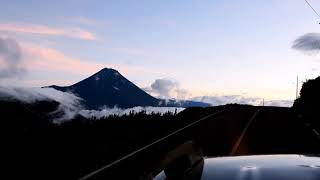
x,y
74,148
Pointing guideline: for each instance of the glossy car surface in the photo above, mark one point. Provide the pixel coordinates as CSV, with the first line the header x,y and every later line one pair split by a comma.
x,y
262,167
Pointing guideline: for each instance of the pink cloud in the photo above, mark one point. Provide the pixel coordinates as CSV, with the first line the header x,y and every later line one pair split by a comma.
x,y
44,58
50,31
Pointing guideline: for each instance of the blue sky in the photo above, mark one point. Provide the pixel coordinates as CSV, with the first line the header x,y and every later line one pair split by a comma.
x,y
208,47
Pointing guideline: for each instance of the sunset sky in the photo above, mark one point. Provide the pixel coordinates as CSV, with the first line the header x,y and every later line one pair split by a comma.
x,y
206,47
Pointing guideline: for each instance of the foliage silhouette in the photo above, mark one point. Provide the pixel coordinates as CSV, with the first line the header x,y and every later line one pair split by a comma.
x,y
307,105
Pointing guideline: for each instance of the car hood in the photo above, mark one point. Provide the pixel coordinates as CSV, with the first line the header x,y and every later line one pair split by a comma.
x,y
262,167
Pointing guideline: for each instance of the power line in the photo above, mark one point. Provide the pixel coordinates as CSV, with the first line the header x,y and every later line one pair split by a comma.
x,y
312,8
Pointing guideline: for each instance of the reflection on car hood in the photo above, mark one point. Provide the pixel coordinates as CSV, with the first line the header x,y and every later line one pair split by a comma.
x,y
262,167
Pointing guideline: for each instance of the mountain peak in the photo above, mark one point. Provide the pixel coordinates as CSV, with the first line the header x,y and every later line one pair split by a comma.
x,y
107,74
108,71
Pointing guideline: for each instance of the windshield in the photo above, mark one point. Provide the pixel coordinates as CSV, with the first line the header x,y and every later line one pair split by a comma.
x,y
122,89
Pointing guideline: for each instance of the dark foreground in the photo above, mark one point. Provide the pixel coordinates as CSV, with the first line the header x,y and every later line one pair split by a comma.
x,y
268,130
72,150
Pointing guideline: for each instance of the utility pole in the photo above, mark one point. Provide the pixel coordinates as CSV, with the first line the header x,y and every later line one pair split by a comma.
x,y
297,87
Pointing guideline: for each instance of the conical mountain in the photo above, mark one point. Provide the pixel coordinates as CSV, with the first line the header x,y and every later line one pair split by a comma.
x,y
109,88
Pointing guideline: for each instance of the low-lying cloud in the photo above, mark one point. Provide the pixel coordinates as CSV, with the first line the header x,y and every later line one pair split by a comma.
x,y
308,43
69,104
168,89
11,64
222,100
105,112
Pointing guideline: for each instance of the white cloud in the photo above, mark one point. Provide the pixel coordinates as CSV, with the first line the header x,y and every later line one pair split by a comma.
x,y
167,89
69,104
11,64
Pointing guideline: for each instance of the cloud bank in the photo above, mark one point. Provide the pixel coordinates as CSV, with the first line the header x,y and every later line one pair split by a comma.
x,y
69,104
222,100
308,43
11,64
105,112
168,89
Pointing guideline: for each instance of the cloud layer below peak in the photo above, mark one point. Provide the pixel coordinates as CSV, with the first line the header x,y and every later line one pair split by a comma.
x,y
222,100
69,104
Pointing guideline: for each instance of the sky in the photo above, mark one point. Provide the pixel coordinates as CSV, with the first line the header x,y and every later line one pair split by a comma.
x,y
202,47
